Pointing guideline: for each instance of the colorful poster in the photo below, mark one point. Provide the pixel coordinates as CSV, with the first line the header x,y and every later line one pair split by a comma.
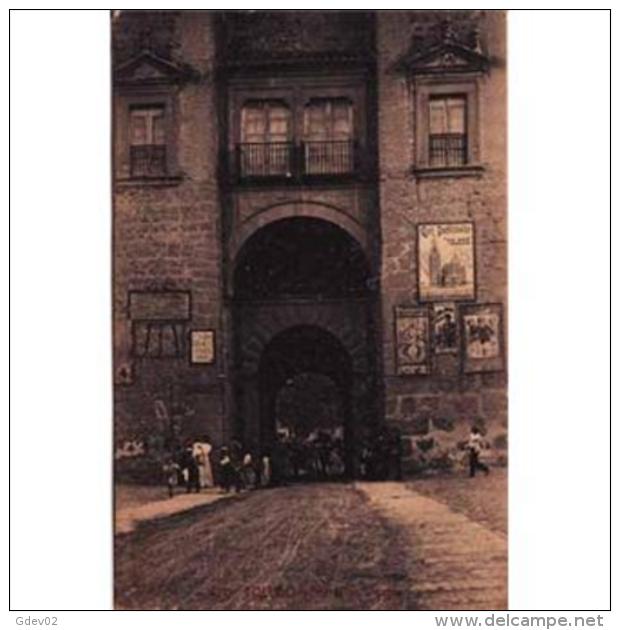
x,y
412,341
446,261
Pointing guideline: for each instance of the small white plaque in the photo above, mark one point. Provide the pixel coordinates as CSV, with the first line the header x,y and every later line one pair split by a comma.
x,y
202,346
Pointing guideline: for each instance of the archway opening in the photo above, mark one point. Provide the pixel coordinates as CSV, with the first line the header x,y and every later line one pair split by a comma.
x,y
310,424
307,404
305,379
300,257
303,317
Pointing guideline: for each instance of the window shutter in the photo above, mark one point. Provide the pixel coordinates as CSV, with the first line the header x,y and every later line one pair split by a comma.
x,y
342,120
438,119
456,115
138,128
159,129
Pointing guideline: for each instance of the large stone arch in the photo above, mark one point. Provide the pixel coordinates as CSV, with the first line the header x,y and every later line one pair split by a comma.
x,y
315,258
289,209
266,322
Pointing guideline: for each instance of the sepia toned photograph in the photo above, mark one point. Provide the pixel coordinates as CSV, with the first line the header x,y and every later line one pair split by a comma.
x,y
309,309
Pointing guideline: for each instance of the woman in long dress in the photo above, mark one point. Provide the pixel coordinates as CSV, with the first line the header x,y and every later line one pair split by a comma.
x,y
202,451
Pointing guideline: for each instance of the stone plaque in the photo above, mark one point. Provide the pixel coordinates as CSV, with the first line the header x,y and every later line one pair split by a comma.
x,y
159,305
202,346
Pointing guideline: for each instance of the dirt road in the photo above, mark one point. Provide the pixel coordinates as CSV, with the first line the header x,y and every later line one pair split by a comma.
x,y
300,547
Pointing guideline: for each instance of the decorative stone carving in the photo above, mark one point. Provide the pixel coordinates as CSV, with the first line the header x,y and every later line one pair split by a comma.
x,y
262,36
148,68
447,52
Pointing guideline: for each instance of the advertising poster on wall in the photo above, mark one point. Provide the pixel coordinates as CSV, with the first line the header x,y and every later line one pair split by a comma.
x,y
446,269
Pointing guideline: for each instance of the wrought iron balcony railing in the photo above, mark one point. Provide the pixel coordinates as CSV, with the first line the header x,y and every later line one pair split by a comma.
x,y
448,149
286,160
272,159
329,158
148,160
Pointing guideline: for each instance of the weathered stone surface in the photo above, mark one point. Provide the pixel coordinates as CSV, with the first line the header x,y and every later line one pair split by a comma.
x,y
391,407
494,403
501,441
417,425
406,446
443,423
425,444
407,405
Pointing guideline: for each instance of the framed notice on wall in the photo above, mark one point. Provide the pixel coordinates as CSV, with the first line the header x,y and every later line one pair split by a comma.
x,y
202,347
444,327
412,341
446,268
482,337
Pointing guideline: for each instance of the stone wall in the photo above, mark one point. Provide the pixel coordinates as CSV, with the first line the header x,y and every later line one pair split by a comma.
x,y
443,404
167,238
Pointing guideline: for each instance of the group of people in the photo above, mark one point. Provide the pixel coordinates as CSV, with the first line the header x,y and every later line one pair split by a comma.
x,y
314,457
318,456
190,466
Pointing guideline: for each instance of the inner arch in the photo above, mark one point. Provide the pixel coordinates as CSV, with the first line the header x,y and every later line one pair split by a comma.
x,y
292,355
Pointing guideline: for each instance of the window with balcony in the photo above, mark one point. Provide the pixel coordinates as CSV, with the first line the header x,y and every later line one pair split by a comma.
x,y
295,137
266,149
147,141
328,137
447,141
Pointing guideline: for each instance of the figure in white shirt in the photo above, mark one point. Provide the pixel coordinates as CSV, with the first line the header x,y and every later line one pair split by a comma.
x,y
475,446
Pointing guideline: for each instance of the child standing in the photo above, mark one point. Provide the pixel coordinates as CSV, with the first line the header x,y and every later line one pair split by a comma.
x,y
171,473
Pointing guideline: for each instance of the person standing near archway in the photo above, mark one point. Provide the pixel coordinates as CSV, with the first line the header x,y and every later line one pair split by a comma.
x,y
202,455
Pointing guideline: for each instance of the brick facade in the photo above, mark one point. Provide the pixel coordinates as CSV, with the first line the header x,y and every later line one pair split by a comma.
x,y
448,400
185,230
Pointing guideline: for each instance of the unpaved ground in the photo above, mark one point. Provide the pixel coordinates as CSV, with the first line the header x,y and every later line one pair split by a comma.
x,y
129,517
482,499
126,495
300,547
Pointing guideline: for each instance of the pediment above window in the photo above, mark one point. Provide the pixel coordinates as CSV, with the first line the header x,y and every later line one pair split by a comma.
x,y
447,57
147,68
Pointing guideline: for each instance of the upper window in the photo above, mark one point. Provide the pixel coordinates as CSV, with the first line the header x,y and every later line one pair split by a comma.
x,y
265,121
446,127
266,130
328,136
447,142
147,139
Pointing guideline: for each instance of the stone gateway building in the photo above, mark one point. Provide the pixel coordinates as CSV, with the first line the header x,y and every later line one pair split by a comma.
x,y
310,227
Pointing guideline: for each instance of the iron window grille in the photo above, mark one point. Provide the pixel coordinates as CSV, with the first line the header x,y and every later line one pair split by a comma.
x,y
448,149
148,160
